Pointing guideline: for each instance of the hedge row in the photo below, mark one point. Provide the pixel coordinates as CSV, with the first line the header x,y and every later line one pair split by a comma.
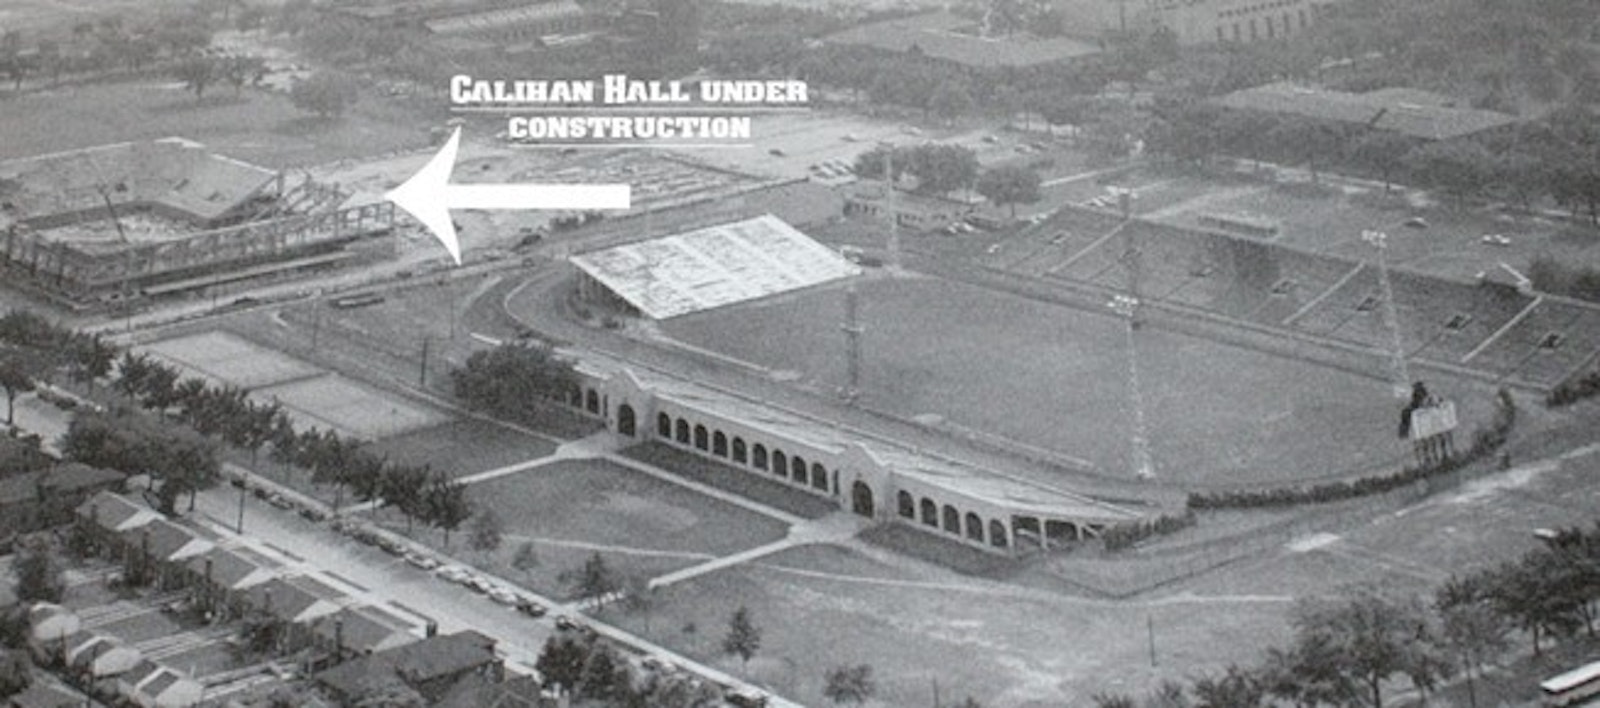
x,y
1124,535
1485,441
1574,390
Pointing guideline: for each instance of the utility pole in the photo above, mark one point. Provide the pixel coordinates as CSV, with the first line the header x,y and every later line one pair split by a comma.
x,y
238,526
1399,375
422,371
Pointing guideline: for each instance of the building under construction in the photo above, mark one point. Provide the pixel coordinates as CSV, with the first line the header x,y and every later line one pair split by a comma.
x,y
164,216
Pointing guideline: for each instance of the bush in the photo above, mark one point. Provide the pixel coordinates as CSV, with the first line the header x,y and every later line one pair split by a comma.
x,y
1576,389
1127,534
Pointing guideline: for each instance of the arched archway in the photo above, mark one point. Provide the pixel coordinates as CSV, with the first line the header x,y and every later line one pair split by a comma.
x,y
819,476
738,450
664,425
702,439
683,431
908,506
997,533
758,456
974,527
592,401
780,463
952,520
930,512
861,498
625,421
797,470
719,444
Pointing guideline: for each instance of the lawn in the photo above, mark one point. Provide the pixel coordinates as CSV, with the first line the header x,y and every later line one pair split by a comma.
x,y
261,127
1057,377
923,631
642,526
463,447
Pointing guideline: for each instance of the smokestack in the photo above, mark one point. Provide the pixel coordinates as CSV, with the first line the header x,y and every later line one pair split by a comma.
x,y
431,630
338,637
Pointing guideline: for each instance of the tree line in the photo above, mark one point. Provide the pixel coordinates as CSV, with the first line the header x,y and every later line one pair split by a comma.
x,y
175,439
1349,647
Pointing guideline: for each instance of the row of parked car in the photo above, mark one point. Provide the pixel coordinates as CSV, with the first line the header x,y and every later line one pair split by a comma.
x,y
277,500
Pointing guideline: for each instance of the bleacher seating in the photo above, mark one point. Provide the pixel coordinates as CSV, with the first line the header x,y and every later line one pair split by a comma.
x,y
1440,320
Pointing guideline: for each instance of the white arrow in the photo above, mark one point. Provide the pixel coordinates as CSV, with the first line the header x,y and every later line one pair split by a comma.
x,y
429,196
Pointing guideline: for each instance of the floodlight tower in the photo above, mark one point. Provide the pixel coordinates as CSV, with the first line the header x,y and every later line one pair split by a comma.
x,y
1129,306
852,337
894,216
1399,376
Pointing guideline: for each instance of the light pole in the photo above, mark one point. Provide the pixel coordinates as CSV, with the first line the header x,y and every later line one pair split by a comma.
x,y
1400,377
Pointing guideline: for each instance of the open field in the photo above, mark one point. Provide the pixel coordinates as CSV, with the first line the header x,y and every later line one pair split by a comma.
x,y
462,447
255,126
1057,377
642,526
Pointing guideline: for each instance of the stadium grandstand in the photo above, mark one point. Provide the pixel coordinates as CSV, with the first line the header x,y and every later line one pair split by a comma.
x,y
998,511
165,215
708,267
1499,330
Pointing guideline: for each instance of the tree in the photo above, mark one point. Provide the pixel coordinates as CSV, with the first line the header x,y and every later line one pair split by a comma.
x,y
950,100
240,70
561,661
743,638
446,504
17,373
1463,169
38,572
16,672
485,534
1371,638
197,71
1235,688
1307,141
605,675
1010,185
1381,151
849,684
386,690
525,559
324,93
1113,700
596,580
514,381
403,489
1471,631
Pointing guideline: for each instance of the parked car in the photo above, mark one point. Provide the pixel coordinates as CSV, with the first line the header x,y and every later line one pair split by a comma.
x,y
1416,222
455,574
418,560
502,595
479,583
567,622
746,699
529,607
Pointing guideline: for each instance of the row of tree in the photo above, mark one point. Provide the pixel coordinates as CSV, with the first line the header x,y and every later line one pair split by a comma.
x,y
184,459
516,382
1347,649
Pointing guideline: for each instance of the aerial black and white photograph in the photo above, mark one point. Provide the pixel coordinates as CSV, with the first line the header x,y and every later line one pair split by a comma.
x,y
800,353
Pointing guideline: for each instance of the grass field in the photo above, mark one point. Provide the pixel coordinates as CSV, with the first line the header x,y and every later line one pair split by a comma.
x,y
1057,377
257,126
463,447
820,607
642,526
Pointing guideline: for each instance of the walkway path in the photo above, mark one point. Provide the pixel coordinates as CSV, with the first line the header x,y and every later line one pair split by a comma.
x,y
833,528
